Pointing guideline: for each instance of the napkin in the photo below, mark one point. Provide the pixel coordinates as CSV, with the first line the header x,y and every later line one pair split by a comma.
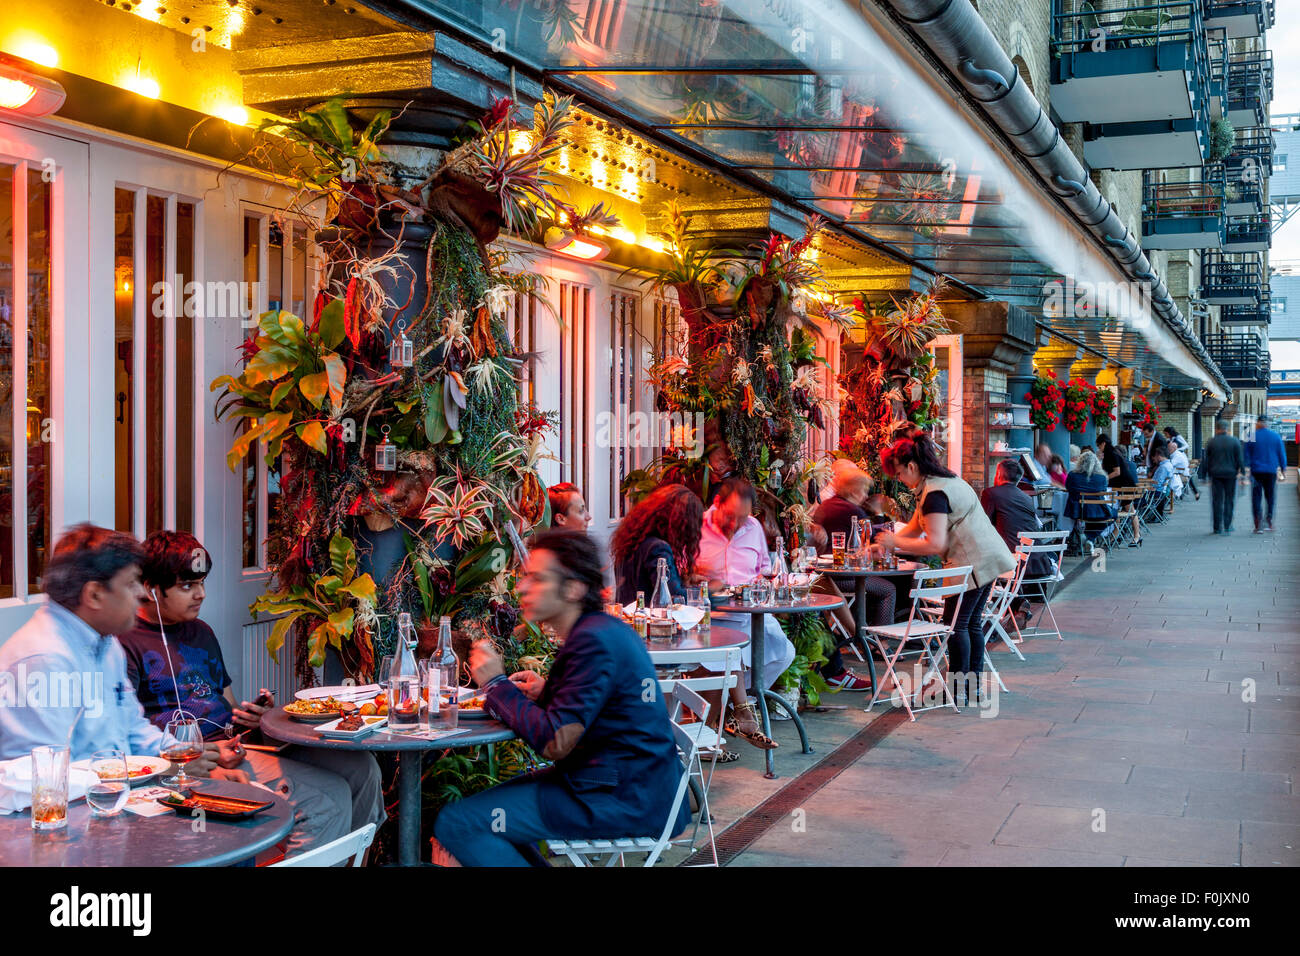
x,y
683,614
16,784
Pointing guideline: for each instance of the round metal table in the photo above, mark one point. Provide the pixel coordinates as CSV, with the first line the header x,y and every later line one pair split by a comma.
x,y
693,640
410,761
132,840
860,575
815,604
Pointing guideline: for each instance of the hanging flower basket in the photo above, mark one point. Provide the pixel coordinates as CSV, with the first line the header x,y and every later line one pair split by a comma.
x,y
1077,405
1146,411
1046,399
1103,407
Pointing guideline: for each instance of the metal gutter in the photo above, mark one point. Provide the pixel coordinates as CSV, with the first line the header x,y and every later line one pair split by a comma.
x,y
962,42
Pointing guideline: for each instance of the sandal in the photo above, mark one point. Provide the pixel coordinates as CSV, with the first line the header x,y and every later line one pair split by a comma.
x,y
723,755
746,726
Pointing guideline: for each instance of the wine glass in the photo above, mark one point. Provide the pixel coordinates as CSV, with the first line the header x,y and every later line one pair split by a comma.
x,y
182,742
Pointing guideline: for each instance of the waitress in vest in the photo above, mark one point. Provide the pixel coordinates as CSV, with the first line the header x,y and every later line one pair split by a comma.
x,y
950,522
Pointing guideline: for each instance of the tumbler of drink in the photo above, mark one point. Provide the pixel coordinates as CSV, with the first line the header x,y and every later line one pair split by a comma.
x,y
50,787
838,553
448,715
107,794
429,688
403,703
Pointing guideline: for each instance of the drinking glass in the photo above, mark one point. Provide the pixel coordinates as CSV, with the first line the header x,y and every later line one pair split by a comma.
x,y
404,703
182,742
107,795
383,669
50,787
837,547
429,690
448,715
759,592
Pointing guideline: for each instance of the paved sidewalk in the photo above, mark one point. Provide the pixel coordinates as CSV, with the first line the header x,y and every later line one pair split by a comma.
x,y
1164,730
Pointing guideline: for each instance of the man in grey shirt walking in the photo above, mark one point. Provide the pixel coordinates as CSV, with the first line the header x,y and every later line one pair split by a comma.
x,y
1222,461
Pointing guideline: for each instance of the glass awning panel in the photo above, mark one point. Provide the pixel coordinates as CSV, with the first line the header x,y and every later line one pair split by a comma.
x,y
812,103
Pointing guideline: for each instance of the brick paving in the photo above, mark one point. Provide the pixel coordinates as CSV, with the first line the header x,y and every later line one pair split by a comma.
x,y
1132,742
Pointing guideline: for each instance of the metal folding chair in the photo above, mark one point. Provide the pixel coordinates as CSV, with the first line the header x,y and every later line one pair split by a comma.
x,y
998,609
1051,543
929,638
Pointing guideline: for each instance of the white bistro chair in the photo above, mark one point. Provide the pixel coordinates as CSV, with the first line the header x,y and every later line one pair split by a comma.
x,y
1052,544
928,638
352,845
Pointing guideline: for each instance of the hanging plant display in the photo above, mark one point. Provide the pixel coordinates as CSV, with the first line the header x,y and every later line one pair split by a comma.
x,y
751,375
392,409
1076,405
1046,399
1146,411
1103,407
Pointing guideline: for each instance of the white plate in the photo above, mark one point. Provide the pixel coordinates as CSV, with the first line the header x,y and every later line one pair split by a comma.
x,y
358,693
157,765
369,726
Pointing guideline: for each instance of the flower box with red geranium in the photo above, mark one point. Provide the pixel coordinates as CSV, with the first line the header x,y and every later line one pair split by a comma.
x,y
1103,407
1146,411
1046,398
1076,405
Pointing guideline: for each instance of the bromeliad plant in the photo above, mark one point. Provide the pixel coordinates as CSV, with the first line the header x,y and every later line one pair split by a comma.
x,y
334,604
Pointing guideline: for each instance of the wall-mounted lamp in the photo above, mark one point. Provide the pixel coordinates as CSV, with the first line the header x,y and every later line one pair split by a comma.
x,y
575,246
27,93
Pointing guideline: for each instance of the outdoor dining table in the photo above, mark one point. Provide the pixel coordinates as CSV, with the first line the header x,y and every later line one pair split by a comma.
x,y
410,761
905,569
129,839
694,639
815,604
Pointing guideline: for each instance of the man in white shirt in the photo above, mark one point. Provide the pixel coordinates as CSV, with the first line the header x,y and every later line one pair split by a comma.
x,y
733,550
1182,469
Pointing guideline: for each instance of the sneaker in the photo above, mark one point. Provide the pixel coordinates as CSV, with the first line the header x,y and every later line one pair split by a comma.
x,y
847,680
1258,531
1269,527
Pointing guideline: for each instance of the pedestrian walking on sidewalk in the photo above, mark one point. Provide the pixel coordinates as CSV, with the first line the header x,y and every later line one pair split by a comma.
x,y
1222,461
1267,460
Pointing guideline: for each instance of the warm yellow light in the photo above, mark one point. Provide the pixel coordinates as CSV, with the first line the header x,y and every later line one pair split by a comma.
x,y
598,174
150,12
126,285
143,85
15,94
234,113
520,141
41,53
651,243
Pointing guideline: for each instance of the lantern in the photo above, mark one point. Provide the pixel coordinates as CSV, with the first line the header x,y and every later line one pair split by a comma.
x,y
401,354
386,454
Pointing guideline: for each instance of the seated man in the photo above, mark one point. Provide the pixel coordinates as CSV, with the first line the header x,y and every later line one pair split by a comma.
x,y
733,550
1013,513
188,672
1162,477
615,769
568,507
94,590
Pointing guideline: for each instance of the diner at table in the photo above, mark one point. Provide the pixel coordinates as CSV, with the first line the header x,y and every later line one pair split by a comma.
x,y
614,765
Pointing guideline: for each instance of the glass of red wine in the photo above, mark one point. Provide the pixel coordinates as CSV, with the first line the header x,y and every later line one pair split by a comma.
x,y
182,742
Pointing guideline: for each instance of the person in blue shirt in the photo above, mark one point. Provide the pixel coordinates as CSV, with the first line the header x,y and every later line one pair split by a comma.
x,y
1266,457
1162,476
599,717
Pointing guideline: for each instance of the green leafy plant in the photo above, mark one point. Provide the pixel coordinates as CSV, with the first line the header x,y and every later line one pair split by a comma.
x,y
332,600
1223,136
812,646
340,152
291,375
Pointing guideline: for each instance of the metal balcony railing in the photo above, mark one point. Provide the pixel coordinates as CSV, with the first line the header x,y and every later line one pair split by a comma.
x,y
1253,146
1182,215
1240,18
1229,278
1242,357
1249,87
1244,193
1249,233
1249,314
1156,51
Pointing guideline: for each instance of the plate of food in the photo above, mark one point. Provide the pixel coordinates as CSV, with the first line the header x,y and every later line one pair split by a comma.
x,y
138,769
221,808
473,704
351,727
319,710
357,692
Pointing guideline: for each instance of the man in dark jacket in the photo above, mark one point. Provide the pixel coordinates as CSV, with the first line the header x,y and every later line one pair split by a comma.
x,y
1152,441
1267,457
1013,513
599,717
1222,461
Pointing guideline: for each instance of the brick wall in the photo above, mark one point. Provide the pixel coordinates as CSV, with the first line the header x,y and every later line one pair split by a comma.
x,y
977,382
1023,28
